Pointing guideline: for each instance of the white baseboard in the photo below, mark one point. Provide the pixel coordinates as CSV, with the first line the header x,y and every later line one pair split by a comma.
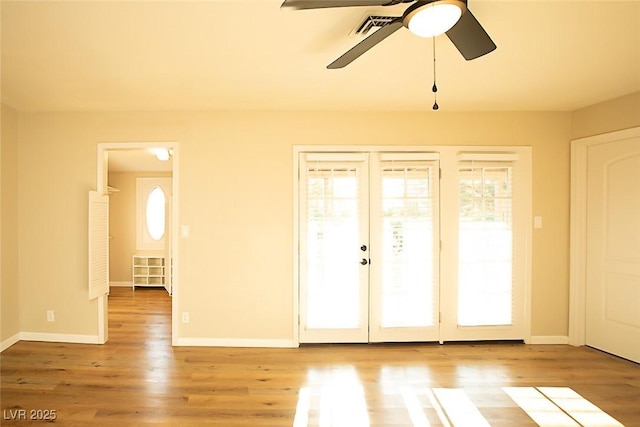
x,y
66,338
186,342
120,284
235,342
207,342
9,342
550,339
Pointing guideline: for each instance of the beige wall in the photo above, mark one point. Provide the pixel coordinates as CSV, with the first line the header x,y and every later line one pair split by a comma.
x,y
235,192
9,285
616,114
122,222
56,169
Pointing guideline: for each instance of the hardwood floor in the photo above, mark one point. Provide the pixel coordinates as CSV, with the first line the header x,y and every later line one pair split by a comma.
x,y
138,378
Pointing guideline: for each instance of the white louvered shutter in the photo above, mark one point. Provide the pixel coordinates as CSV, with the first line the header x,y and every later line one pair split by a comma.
x,y
98,244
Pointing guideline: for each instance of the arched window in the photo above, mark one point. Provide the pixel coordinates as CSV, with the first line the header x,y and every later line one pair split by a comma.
x,y
153,198
155,211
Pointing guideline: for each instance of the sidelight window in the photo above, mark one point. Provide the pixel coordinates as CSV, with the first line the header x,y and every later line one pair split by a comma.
x,y
485,279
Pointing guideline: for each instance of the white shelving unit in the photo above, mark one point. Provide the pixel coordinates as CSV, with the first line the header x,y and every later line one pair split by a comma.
x,y
148,271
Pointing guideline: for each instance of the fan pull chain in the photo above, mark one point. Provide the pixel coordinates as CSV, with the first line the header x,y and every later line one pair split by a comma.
x,y
434,88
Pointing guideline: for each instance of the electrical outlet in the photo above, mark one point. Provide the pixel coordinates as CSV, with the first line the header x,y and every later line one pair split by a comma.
x,y
185,317
537,222
51,316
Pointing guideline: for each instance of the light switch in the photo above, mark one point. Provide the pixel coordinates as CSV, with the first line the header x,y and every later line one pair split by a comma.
x,y
537,222
185,231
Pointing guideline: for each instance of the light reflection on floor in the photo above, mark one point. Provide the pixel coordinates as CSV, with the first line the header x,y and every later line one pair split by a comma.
x,y
339,396
156,366
559,406
335,397
459,408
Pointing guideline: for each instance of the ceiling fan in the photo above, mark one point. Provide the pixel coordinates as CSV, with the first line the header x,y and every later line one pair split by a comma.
x,y
425,18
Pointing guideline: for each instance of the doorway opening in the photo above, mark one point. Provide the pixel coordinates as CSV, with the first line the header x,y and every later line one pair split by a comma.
x,y
140,180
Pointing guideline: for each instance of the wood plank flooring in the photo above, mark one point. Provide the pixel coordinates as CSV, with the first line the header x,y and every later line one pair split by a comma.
x,y
138,378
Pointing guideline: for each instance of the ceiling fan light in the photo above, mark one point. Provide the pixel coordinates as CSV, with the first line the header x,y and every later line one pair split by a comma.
x,y
161,154
434,18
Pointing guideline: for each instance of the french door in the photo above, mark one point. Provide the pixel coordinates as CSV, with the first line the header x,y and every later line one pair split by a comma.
x,y
371,265
334,248
404,235
369,237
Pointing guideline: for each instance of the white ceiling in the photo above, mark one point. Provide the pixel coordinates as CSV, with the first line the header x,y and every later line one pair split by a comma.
x,y
250,54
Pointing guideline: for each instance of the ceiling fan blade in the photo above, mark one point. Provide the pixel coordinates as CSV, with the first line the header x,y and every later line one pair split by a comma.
x,y
323,4
470,38
366,44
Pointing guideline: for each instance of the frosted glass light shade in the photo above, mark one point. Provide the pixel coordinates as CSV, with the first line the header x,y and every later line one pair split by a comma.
x,y
434,19
162,154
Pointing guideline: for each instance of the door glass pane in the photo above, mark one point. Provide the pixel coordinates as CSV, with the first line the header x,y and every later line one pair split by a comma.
x,y
333,239
485,246
407,245
155,213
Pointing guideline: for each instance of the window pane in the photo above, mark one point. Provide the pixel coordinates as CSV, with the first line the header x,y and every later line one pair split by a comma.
x,y
407,246
485,246
333,300
155,213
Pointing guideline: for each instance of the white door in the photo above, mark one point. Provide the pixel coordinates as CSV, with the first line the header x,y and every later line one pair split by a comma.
x,y
368,247
405,247
334,247
613,248
154,200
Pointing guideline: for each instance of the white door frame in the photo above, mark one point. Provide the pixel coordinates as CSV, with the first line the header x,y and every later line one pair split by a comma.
x,y
578,229
101,187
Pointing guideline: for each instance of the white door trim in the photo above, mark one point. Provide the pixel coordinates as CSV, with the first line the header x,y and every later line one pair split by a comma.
x,y
101,187
578,229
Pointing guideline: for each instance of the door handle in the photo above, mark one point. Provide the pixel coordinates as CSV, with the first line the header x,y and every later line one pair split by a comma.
x,y
363,248
364,261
